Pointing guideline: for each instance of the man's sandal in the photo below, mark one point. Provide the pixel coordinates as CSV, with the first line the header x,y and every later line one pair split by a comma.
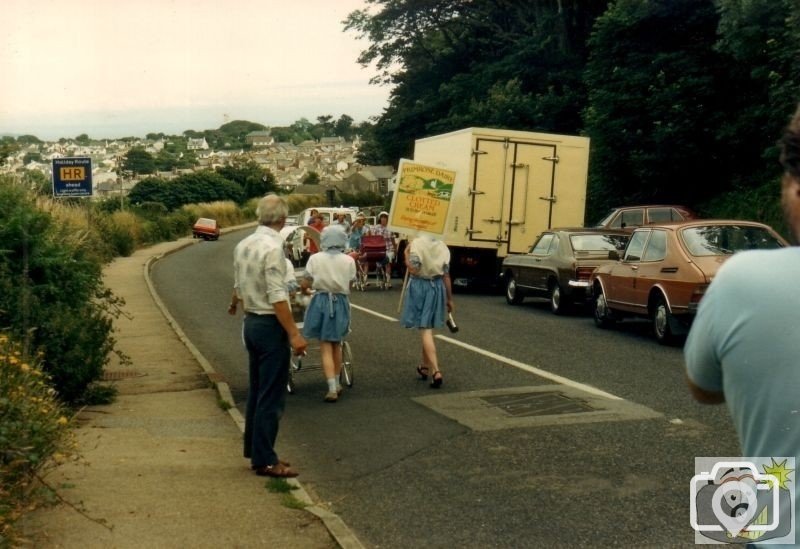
x,y
276,471
284,463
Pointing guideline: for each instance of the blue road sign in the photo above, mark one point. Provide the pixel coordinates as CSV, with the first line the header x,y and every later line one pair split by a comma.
x,y
72,177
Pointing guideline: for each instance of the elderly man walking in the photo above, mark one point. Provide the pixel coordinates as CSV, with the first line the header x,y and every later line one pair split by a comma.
x,y
259,283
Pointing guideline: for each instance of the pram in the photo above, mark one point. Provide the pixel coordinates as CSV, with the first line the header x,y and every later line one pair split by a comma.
x,y
312,360
371,261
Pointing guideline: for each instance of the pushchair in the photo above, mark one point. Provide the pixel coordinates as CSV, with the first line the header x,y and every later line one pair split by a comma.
x,y
371,261
312,361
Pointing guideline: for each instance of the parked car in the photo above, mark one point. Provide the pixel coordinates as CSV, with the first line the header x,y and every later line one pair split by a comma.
x,y
666,269
630,217
205,228
559,264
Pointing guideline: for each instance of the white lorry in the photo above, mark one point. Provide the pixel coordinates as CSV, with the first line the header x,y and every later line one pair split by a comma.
x,y
509,187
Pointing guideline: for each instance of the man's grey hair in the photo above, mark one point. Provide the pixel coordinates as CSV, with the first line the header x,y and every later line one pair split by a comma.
x,y
271,209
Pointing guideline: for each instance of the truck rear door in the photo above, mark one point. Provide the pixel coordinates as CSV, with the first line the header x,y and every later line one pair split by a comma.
x,y
512,192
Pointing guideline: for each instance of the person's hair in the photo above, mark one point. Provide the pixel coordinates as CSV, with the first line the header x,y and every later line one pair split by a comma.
x,y
271,209
790,147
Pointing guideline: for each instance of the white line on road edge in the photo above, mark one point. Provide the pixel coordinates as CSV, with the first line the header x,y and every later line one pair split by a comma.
x,y
532,369
370,311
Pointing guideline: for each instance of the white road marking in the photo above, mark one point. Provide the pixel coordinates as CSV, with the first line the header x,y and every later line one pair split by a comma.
x,y
370,311
511,362
532,369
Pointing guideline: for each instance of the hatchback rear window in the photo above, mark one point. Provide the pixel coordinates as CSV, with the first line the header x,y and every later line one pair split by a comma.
x,y
204,222
598,242
727,239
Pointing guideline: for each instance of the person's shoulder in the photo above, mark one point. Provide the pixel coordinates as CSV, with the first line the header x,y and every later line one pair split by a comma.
x,y
752,267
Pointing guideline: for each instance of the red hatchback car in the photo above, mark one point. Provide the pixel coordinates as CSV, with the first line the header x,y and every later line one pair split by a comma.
x,y
666,269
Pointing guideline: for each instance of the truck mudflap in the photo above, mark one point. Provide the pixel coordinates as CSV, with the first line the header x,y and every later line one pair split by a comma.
x,y
474,267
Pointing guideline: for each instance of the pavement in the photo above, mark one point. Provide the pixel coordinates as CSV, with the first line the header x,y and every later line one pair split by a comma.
x,y
162,466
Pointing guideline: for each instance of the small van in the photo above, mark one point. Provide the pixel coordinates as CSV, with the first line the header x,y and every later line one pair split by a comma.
x,y
327,214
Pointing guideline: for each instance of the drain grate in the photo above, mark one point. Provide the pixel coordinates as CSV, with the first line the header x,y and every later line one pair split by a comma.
x,y
540,403
116,375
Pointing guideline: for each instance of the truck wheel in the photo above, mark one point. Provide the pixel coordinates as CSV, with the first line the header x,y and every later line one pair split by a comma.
x,y
559,303
514,294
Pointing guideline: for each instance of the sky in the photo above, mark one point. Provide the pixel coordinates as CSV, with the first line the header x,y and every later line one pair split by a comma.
x,y
115,68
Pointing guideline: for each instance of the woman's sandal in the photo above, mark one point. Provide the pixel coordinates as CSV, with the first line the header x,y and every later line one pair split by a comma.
x,y
436,380
422,371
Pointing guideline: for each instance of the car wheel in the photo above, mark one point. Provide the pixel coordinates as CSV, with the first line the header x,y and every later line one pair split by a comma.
x,y
661,318
559,303
602,314
513,293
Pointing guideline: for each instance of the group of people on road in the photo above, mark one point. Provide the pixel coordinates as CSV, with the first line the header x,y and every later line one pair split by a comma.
x,y
742,348
262,283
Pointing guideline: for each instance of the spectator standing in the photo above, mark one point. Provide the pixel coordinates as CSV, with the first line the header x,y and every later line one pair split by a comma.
x,y
260,278
316,222
381,229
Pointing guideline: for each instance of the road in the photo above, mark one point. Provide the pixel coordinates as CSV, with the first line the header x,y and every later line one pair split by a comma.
x,y
598,450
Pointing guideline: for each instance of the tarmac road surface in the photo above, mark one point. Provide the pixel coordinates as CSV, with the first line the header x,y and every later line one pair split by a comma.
x,y
548,431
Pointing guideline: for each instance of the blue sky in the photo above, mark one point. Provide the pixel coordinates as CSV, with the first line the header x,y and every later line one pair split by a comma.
x,y
113,69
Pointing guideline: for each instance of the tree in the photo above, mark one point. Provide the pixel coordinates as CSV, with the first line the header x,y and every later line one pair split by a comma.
x,y
82,139
254,180
655,103
28,140
31,157
139,161
7,147
344,127
762,40
311,178
193,188
452,64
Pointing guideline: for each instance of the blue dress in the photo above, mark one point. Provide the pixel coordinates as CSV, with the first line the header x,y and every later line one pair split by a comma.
x,y
327,317
425,304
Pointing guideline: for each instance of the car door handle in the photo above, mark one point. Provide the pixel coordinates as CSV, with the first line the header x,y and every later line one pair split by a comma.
x,y
634,267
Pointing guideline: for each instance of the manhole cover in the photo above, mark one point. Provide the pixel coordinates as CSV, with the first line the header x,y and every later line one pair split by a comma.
x,y
537,404
116,375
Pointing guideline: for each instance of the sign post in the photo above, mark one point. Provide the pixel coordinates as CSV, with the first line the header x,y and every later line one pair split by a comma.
x,y
72,177
421,199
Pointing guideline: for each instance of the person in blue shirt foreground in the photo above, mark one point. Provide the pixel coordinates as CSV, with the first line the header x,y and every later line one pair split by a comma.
x,y
744,345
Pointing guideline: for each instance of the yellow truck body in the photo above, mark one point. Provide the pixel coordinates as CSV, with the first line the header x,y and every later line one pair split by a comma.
x,y
510,186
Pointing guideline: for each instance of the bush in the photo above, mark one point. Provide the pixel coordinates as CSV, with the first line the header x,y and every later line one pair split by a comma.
x,y
51,294
299,202
32,429
761,203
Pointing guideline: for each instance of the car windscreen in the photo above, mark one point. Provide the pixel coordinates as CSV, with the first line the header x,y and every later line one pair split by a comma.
x,y
203,222
727,239
598,242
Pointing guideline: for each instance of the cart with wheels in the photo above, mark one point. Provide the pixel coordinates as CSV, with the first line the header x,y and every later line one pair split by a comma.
x,y
312,361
